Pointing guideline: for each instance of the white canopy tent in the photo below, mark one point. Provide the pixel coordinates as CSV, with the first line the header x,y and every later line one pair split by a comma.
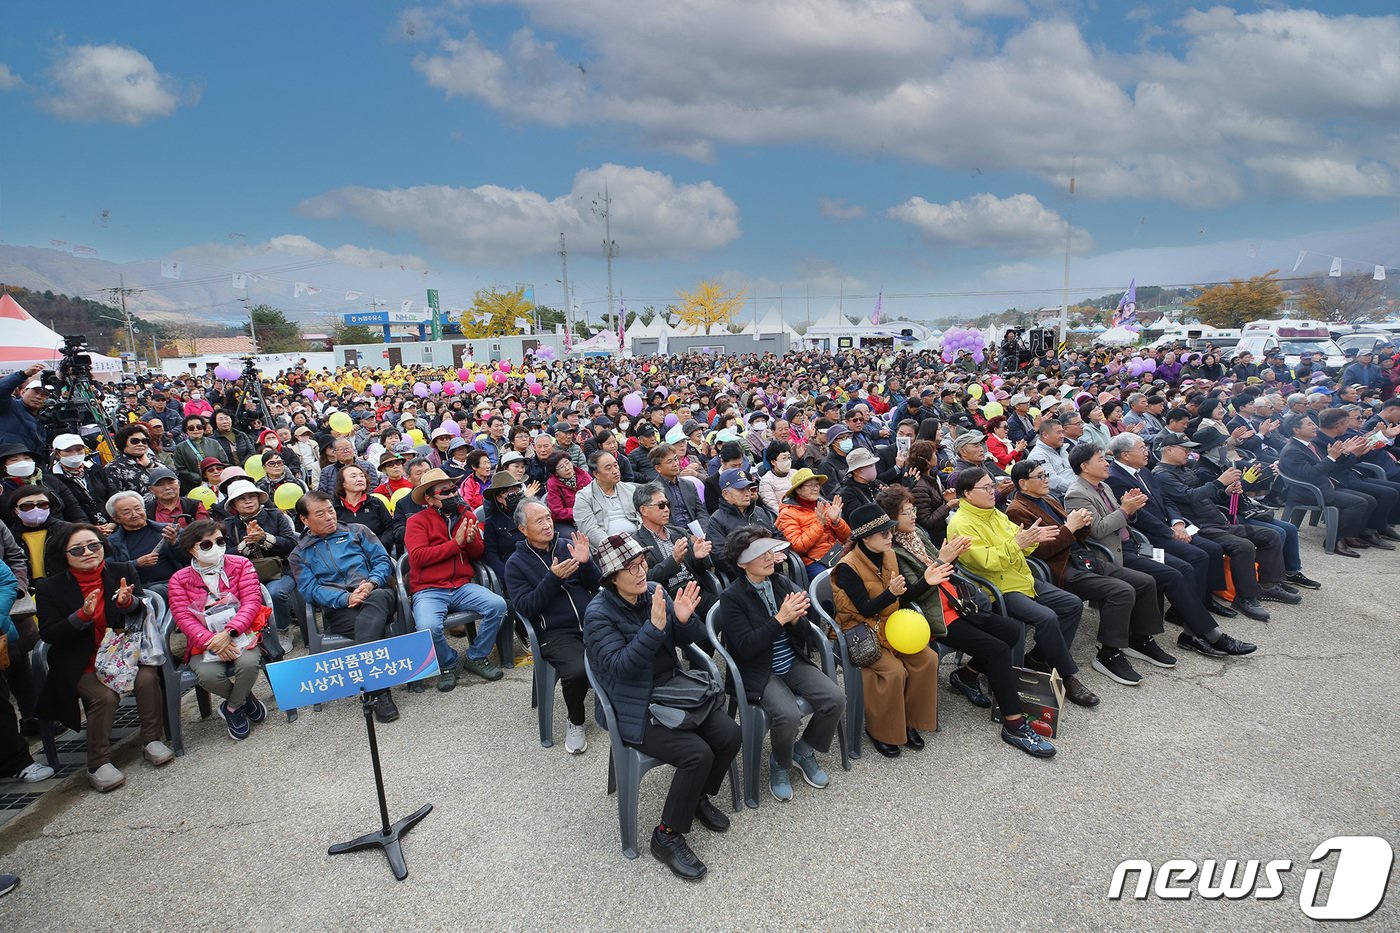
x,y
24,341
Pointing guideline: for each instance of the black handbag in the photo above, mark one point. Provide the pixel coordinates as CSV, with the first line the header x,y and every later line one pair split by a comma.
x,y
862,647
684,701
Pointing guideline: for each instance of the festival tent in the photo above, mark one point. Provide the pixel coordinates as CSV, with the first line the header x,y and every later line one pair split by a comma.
x,y
23,341
1119,337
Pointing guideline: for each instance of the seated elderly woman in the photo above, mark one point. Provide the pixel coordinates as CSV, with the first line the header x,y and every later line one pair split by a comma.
x,y
138,540
85,595
565,482
763,621
986,639
811,524
630,632
901,690
217,603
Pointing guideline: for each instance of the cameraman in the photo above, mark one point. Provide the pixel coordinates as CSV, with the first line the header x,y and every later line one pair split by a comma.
x,y
19,417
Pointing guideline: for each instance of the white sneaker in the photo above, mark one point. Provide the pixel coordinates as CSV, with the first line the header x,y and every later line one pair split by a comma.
x,y
106,778
285,640
575,742
158,753
35,773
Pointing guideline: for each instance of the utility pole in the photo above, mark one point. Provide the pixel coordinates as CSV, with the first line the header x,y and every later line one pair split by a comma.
x,y
568,299
609,249
120,293
1069,234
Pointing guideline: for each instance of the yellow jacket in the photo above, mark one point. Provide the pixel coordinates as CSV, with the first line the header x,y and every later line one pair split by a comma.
x,y
993,553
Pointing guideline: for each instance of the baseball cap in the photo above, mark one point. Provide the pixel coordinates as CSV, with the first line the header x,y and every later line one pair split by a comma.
x,y
734,479
64,441
1172,439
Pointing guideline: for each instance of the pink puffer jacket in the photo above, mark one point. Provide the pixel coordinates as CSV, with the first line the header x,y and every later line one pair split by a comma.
x,y
187,598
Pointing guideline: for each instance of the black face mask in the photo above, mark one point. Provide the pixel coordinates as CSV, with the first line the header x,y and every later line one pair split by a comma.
x,y
512,501
452,504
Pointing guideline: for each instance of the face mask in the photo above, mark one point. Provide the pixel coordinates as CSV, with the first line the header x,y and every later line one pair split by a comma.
x,y
73,462
22,470
845,445
534,432
35,516
624,425
210,557
196,396
760,426
783,463
512,501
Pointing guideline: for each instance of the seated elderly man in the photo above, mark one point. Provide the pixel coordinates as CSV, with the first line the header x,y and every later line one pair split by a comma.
x,y
442,541
998,552
343,455
739,507
677,557
149,545
551,580
1051,449
344,570
604,507
165,504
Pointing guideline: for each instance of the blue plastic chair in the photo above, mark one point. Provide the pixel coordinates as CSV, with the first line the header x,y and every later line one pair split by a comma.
x,y
626,765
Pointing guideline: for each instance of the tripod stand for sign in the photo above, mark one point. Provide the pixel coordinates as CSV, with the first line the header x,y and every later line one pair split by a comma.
x,y
388,835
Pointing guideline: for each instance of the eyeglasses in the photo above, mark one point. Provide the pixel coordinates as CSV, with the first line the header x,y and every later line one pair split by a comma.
x,y
985,487
92,547
638,568
909,510
268,463
212,542
1039,474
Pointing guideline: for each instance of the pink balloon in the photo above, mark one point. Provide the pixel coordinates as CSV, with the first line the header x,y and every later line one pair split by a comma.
x,y
500,376
503,366
450,388
536,388
514,407
480,384
452,427
464,374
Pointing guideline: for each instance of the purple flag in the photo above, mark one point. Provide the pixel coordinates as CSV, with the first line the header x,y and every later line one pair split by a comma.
x,y
879,303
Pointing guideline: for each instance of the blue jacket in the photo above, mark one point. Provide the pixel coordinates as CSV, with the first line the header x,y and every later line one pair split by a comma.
x,y
17,424
327,569
622,647
9,592
537,593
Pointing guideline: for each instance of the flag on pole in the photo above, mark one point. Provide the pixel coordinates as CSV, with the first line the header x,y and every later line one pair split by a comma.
x,y
1127,306
621,323
1299,261
240,281
568,339
1379,274
879,305
1336,269
169,269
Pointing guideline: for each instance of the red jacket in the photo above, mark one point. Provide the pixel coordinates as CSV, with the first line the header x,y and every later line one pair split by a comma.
x,y
434,559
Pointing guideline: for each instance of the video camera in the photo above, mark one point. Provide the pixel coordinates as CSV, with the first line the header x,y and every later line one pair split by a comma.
x,y
71,404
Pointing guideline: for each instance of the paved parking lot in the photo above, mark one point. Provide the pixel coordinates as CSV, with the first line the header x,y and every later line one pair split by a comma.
x,y
1262,758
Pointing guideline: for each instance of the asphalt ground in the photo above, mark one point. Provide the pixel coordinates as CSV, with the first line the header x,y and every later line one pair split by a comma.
x,y
1261,757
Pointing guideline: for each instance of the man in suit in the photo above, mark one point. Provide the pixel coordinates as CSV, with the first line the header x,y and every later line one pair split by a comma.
x,y
1198,501
1301,461
1109,527
677,556
1337,441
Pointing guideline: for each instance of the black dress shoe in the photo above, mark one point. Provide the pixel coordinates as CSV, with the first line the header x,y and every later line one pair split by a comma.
x,y
1388,532
914,740
1356,544
1376,541
1343,551
672,851
385,710
884,748
1034,663
972,691
1218,608
1253,609
711,817
1199,645
1078,694
1234,646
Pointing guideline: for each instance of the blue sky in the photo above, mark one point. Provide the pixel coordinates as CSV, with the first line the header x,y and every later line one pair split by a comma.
x,y
922,148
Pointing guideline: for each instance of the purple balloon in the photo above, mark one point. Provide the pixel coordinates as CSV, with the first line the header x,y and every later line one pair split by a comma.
x,y
1149,365
671,421
376,390
452,427
977,355
632,404
309,393
420,390
435,387
947,354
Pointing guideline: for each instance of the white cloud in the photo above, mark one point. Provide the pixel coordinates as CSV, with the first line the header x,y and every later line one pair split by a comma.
x,y
8,79
111,84
1322,179
294,244
839,210
652,216
1018,225
926,80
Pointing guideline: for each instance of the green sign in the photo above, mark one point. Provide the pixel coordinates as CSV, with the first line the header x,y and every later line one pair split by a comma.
x,y
437,313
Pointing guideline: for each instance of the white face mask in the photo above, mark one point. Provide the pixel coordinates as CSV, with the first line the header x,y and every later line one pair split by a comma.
x,y
21,470
196,396
72,462
210,557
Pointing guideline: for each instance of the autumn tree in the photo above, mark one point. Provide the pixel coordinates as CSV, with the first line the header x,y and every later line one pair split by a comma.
x,y
708,305
1348,299
275,333
494,312
1240,302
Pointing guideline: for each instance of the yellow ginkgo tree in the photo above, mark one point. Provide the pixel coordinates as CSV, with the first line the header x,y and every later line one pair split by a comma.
x,y
708,305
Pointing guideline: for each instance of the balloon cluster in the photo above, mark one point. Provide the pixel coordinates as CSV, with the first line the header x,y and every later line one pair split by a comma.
x,y
1140,366
957,339
226,373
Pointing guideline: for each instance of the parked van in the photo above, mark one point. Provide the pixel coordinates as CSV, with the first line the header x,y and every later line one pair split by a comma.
x,y
1294,339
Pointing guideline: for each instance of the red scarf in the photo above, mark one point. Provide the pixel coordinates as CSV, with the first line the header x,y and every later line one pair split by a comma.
x,y
89,580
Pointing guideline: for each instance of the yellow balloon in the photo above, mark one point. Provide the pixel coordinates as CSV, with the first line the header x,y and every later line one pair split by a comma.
x,y
287,496
975,390
394,499
253,466
203,494
341,424
1034,412
384,499
907,631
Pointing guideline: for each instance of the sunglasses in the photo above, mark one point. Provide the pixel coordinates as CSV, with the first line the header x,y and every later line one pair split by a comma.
x,y
215,542
659,505
137,441
92,547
